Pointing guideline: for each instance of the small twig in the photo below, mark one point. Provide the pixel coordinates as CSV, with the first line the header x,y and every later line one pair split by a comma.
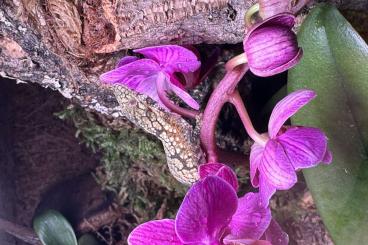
x,y
23,233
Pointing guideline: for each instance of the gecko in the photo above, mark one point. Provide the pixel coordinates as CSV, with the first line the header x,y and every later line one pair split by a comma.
x,y
181,143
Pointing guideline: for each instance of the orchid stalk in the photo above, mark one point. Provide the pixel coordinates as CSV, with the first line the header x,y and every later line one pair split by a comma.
x,y
270,48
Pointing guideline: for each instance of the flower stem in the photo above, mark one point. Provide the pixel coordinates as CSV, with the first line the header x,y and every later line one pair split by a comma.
x,y
212,111
235,61
237,101
161,91
249,14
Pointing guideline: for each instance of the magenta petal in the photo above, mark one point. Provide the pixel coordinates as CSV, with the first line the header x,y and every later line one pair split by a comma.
x,y
276,166
209,169
182,94
229,176
157,232
126,60
305,147
327,158
131,74
221,170
148,87
283,19
271,46
276,235
206,211
250,219
172,58
288,107
272,50
256,153
266,191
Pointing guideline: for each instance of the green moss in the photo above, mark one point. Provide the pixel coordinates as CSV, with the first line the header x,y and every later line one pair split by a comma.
x,y
133,165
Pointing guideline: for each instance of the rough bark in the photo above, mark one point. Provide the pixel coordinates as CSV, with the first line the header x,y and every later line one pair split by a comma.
x,y
65,45
56,43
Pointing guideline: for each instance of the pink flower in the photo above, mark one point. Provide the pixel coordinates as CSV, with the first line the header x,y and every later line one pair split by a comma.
x,y
158,73
271,46
212,214
273,164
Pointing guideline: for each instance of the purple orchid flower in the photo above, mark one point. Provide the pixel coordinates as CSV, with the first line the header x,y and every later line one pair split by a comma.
x,y
273,162
158,73
271,46
212,214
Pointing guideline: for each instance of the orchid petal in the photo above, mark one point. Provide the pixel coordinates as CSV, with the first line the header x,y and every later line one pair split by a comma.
x,y
272,50
231,240
305,147
327,158
126,60
276,166
288,107
209,169
148,87
227,174
131,74
271,46
256,153
266,191
250,219
182,94
172,58
206,211
157,232
221,170
276,235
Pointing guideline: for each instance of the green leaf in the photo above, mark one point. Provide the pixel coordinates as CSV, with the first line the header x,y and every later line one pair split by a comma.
x,y
335,65
53,229
87,239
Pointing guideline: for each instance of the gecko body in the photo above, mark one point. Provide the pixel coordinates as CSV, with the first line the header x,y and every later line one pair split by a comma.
x,y
180,142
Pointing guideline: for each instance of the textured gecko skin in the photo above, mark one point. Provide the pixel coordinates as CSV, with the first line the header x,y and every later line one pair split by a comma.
x,y
181,144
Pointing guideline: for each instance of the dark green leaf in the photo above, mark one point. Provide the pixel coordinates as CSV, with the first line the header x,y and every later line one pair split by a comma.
x,y
335,65
53,229
87,239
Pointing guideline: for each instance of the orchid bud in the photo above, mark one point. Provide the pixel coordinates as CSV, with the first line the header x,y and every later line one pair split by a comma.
x,y
268,8
271,46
